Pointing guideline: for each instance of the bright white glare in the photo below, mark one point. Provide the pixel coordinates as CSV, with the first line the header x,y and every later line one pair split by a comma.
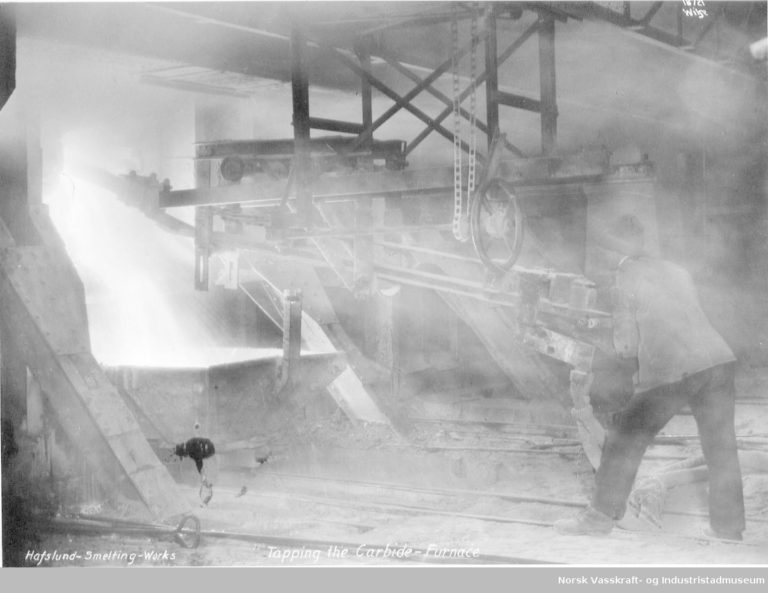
x,y
142,308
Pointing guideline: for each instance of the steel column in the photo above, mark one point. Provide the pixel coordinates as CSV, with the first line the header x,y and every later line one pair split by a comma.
x,y
292,308
301,125
366,96
547,84
203,246
7,53
492,74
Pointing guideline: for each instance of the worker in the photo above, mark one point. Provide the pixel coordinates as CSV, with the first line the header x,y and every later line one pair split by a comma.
x,y
681,359
198,449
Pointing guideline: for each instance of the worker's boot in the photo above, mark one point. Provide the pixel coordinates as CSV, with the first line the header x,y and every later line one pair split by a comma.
x,y
588,522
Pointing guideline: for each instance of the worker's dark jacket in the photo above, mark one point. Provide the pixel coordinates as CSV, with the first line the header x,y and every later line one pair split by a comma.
x,y
658,319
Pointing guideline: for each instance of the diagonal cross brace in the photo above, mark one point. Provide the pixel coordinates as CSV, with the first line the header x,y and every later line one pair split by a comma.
x,y
431,90
400,101
478,81
423,84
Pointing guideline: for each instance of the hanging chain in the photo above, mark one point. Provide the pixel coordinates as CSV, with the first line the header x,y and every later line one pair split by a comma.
x,y
460,224
457,152
472,108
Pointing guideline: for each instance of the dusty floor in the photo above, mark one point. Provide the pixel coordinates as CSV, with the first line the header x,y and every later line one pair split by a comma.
x,y
453,493
340,506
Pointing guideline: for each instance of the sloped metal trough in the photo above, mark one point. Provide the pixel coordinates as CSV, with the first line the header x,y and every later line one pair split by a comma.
x,y
225,401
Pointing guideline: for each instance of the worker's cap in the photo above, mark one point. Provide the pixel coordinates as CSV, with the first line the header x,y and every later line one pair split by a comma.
x,y
624,234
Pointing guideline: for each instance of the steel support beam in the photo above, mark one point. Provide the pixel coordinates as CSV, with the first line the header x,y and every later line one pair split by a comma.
x,y
651,13
547,84
301,125
518,101
492,74
366,97
333,125
414,22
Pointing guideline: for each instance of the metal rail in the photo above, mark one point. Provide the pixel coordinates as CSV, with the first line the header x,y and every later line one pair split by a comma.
x,y
458,492
417,555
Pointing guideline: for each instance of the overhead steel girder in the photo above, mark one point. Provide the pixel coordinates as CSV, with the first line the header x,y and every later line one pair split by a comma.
x,y
643,30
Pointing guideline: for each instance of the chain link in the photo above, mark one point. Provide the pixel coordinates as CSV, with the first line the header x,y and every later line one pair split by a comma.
x,y
457,151
472,108
460,224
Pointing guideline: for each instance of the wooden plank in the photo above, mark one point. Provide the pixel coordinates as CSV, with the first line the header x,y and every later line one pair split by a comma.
x,y
52,294
416,180
90,411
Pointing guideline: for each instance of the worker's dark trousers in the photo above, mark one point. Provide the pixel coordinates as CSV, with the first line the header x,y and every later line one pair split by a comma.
x,y
710,395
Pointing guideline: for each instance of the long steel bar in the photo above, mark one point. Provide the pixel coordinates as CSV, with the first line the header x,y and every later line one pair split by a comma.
x,y
332,125
396,275
427,251
338,233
